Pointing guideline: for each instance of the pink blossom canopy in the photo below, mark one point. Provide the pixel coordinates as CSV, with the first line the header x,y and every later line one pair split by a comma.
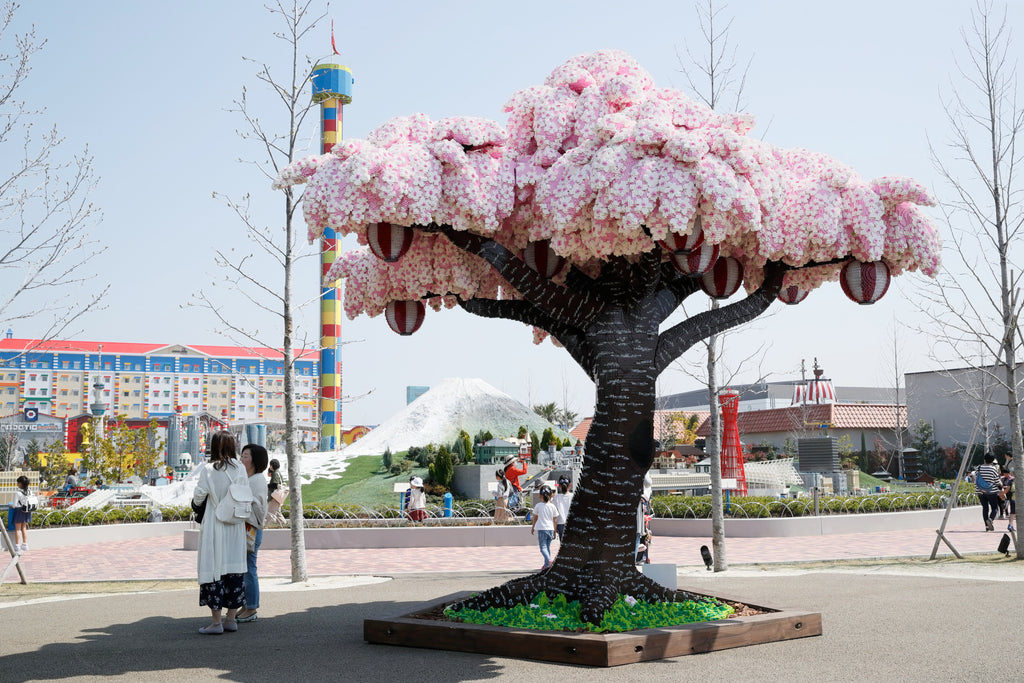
x,y
602,163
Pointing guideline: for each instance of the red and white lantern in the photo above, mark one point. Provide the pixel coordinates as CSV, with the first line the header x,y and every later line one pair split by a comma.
x,y
724,278
865,283
698,261
792,295
405,317
542,258
389,241
684,244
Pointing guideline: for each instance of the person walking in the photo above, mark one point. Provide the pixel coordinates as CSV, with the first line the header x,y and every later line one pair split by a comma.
x,y
545,516
21,509
563,499
501,513
221,557
276,492
644,512
988,484
1011,505
512,474
254,458
417,501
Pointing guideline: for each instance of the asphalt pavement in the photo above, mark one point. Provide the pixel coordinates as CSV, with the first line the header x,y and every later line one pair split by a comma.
x,y
887,618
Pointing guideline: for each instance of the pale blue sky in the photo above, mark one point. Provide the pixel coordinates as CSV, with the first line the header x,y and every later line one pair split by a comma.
x,y
146,86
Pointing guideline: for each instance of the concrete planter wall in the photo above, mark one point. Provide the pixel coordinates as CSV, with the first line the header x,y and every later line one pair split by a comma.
x,y
395,537
100,533
818,526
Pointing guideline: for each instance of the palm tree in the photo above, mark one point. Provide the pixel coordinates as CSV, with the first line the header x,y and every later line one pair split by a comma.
x,y
566,418
549,411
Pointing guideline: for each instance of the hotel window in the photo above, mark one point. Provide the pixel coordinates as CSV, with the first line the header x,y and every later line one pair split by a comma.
x,y
77,365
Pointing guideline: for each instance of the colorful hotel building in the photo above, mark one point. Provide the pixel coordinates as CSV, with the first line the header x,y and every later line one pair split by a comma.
x,y
141,381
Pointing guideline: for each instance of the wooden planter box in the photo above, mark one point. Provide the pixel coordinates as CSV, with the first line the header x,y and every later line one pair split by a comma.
x,y
591,649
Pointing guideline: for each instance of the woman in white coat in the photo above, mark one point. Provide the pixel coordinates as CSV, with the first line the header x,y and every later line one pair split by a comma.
x,y
221,561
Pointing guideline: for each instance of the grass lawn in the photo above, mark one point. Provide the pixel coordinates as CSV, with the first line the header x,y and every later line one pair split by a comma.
x,y
362,483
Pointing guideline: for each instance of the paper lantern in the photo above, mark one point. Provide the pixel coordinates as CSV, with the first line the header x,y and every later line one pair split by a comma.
x,y
698,261
405,317
542,258
684,244
865,283
389,241
792,295
724,278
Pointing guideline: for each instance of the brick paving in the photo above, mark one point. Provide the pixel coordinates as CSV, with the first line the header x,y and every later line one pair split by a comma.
x,y
165,557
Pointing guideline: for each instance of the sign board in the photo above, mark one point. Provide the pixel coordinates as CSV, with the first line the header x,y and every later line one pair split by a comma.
x,y
31,414
492,487
401,488
729,483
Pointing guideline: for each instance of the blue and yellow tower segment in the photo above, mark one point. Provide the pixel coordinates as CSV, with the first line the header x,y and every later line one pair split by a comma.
x,y
332,89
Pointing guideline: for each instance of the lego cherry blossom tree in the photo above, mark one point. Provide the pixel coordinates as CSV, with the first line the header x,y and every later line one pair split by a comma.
x,y
591,216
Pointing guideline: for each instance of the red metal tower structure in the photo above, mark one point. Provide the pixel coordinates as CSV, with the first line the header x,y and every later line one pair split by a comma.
x,y
732,452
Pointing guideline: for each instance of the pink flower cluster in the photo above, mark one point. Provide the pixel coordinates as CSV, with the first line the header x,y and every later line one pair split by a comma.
x,y
601,162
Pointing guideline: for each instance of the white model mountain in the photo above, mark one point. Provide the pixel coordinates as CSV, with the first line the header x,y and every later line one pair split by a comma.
x,y
438,415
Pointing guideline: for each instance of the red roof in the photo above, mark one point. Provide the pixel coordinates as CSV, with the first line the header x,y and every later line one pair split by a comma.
x,y
579,432
836,415
139,348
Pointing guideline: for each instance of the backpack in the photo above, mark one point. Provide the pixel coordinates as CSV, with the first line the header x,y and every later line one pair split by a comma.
x,y
236,507
513,500
31,504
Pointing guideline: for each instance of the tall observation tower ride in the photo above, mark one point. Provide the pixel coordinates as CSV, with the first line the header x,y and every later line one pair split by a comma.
x,y
332,89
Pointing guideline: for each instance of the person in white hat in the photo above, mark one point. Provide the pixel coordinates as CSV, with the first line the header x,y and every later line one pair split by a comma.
x,y
512,474
417,505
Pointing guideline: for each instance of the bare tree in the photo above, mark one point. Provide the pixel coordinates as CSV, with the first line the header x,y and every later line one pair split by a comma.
x,y
712,75
977,300
45,212
281,242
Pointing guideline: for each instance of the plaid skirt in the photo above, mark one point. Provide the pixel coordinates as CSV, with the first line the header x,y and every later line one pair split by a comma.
x,y
227,593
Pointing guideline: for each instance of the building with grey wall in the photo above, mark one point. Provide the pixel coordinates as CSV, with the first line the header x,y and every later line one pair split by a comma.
x,y
949,401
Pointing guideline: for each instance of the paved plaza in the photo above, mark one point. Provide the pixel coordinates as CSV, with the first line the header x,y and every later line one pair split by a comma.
x,y
885,616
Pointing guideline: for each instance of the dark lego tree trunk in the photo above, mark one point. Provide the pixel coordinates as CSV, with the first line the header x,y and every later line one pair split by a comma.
x,y
610,326
595,562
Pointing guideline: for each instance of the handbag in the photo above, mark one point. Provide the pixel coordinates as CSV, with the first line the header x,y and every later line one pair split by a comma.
x,y
199,510
235,507
250,538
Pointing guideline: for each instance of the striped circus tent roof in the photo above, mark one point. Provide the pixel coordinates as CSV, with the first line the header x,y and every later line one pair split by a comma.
x,y
815,391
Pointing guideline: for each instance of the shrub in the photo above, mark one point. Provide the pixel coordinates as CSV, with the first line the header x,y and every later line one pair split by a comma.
x,y
403,467
443,469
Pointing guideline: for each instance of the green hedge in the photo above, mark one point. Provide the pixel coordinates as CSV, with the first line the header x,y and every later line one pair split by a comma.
x,y
754,507
678,507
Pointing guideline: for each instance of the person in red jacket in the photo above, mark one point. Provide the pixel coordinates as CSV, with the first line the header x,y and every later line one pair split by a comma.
x,y
512,473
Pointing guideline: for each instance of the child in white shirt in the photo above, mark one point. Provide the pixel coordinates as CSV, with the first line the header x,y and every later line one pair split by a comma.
x,y
544,516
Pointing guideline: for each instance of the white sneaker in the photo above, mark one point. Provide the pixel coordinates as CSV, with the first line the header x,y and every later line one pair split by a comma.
x,y
24,547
